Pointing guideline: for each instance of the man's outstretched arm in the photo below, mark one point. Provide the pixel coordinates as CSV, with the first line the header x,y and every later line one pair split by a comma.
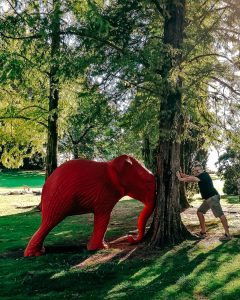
x,y
186,178
183,174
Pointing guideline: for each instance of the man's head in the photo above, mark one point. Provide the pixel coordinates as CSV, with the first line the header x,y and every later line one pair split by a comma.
x,y
197,169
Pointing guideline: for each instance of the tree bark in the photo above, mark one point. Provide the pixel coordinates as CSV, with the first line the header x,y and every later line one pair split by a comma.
x,y
52,144
183,194
184,204
75,151
167,227
147,154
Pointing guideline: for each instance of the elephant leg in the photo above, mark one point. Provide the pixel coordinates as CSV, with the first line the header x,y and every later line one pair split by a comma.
x,y
100,227
35,246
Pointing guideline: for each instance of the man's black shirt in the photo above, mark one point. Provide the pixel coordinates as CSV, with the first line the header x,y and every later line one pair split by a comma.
x,y
206,187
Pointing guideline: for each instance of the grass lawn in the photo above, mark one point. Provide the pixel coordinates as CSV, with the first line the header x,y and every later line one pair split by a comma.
x,y
18,179
205,269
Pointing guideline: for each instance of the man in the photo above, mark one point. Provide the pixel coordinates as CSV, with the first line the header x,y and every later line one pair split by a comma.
x,y
211,199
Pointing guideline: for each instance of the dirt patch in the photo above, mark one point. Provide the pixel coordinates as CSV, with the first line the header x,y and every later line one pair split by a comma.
x,y
214,226
120,250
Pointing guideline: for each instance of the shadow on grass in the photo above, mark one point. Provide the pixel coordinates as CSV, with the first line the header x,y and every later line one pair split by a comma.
x,y
60,249
210,224
16,231
187,271
172,274
64,249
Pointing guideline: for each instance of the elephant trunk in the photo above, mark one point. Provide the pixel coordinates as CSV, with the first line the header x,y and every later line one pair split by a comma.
x,y
142,220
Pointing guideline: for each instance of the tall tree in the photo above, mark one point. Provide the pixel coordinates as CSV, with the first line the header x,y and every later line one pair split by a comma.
x,y
34,28
159,74
167,226
33,34
54,86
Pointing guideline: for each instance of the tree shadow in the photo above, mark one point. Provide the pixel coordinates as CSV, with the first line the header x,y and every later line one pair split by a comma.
x,y
134,272
172,268
65,249
141,277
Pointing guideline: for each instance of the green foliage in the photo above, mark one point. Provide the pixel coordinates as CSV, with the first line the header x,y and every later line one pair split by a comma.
x,y
135,62
117,47
229,169
19,140
89,129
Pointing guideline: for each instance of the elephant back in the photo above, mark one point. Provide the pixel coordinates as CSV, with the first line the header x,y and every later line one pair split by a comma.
x,y
75,176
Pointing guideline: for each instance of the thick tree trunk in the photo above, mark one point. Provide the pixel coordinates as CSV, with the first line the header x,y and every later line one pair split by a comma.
x,y
183,194
52,144
184,204
167,227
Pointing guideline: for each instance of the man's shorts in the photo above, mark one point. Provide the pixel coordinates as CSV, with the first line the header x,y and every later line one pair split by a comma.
x,y
213,203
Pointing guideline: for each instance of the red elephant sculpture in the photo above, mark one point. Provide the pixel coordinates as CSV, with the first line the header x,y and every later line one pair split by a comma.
x,y
84,186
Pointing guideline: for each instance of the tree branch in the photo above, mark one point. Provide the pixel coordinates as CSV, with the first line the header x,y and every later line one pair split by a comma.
x,y
230,30
158,6
35,36
210,54
23,118
34,64
201,37
75,142
85,35
33,106
225,84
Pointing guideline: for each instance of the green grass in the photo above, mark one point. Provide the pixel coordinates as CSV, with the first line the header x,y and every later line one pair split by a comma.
x,y
231,199
191,270
15,179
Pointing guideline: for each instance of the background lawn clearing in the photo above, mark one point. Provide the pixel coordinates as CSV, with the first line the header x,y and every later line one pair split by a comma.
x,y
18,179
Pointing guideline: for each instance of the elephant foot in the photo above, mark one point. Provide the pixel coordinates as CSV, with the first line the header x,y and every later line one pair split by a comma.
x,y
92,246
133,240
34,252
105,245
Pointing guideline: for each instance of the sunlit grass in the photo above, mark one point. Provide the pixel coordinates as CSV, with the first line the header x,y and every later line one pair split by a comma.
x,y
17,179
13,204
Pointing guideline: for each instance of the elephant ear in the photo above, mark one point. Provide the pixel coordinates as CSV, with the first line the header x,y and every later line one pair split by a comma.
x,y
128,160
125,162
123,169
121,166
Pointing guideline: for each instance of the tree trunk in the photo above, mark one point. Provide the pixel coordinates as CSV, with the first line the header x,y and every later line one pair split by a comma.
x,y
75,151
167,227
183,194
184,204
52,144
147,154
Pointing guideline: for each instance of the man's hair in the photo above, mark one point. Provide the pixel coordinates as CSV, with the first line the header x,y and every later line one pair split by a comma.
x,y
197,164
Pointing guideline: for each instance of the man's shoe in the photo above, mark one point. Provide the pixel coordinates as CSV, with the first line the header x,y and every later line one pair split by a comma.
x,y
202,235
225,237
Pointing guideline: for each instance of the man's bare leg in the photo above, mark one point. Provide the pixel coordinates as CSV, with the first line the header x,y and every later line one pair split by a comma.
x,y
225,224
201,221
